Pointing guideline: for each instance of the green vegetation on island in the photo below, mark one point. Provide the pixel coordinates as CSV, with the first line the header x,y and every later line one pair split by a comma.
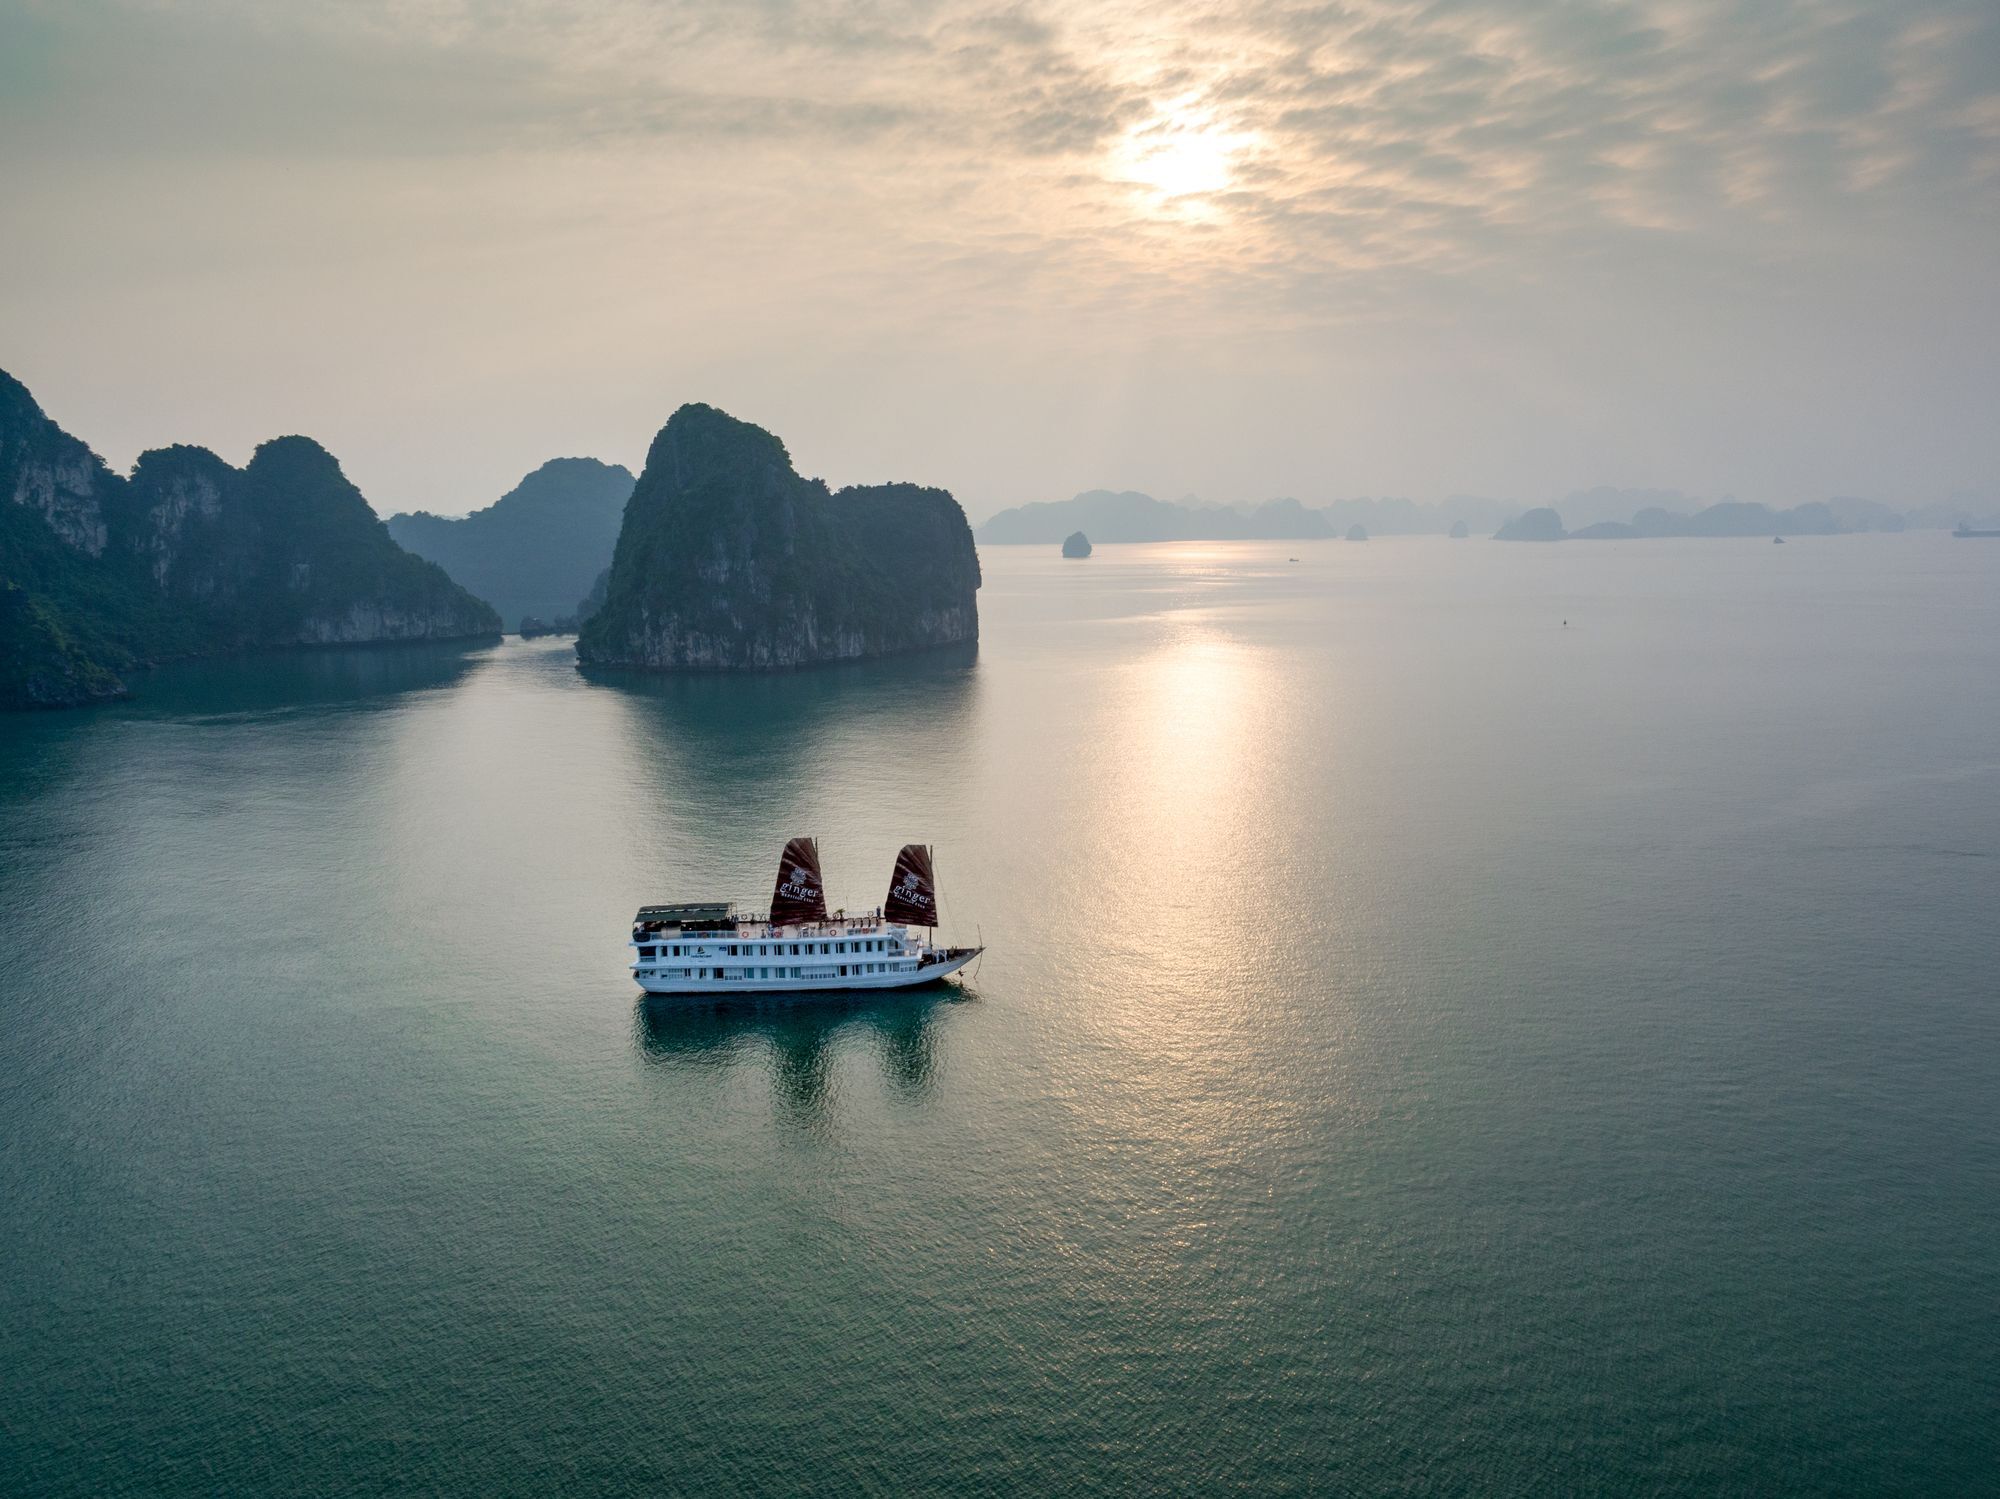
x,y
729,560
189,556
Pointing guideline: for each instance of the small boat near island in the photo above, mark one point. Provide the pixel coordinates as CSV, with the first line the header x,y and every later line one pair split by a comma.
x,y
707,948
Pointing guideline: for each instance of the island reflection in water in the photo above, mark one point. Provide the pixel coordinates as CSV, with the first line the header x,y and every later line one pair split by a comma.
x,y
729,731
305,678
717,773
803,1039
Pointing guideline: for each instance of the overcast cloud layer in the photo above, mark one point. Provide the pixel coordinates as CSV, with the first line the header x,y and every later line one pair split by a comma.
x,y
1239,250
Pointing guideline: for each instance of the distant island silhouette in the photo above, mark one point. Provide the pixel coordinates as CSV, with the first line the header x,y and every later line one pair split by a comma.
x,y
1600,514
536,549
1126,515
1729,518
1539,524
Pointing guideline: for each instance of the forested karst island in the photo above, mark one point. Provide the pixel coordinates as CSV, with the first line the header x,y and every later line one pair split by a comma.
x,y
537,549
730,560
189,556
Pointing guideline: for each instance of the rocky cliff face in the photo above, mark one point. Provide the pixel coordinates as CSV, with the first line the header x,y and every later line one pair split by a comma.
x,y
179,497
291,554
593,601
190,556
45,470
729,560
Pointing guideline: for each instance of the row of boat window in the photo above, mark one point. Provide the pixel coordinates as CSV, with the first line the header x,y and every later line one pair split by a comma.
x,y
846,970
776,949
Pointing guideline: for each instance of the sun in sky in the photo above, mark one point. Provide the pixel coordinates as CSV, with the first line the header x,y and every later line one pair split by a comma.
x,y
1181,152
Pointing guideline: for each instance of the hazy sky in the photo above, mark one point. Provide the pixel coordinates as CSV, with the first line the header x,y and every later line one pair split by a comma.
x,y
1021,250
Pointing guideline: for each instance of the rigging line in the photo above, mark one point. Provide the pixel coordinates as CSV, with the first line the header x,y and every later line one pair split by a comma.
x,y
937,889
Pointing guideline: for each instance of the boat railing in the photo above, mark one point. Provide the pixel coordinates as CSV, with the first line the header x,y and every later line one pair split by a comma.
x,y
774,934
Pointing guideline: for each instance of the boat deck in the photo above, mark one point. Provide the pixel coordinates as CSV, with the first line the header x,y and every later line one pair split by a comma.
x,y
746,929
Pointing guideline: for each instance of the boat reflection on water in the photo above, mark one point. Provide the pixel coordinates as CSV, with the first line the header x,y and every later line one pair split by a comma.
x,y
803,1042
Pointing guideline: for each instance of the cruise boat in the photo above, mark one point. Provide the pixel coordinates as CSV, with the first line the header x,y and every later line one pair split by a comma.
x,y
706,948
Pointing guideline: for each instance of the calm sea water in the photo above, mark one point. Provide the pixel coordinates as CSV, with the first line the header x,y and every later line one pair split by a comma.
x,y
1425,1046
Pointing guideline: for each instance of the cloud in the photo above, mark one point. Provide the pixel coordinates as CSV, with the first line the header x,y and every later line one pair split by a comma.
x,y
634,192
1681,116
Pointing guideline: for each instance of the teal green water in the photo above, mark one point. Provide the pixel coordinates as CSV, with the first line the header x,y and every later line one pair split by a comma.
x,y
1423,1047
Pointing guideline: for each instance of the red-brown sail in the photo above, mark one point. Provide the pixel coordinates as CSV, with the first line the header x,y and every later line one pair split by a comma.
x,y
801,893
912,889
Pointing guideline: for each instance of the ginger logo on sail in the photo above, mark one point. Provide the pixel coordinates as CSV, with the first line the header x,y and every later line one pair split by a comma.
x,y
912,895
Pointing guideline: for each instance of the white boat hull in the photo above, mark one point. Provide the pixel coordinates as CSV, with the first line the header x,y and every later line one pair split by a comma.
x,y
704,950
654,982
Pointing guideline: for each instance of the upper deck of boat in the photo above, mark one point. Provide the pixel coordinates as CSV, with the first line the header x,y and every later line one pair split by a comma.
x,y
761,929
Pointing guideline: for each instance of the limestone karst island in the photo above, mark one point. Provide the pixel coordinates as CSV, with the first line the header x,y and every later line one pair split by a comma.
x,y
729,560
101,573
726,559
